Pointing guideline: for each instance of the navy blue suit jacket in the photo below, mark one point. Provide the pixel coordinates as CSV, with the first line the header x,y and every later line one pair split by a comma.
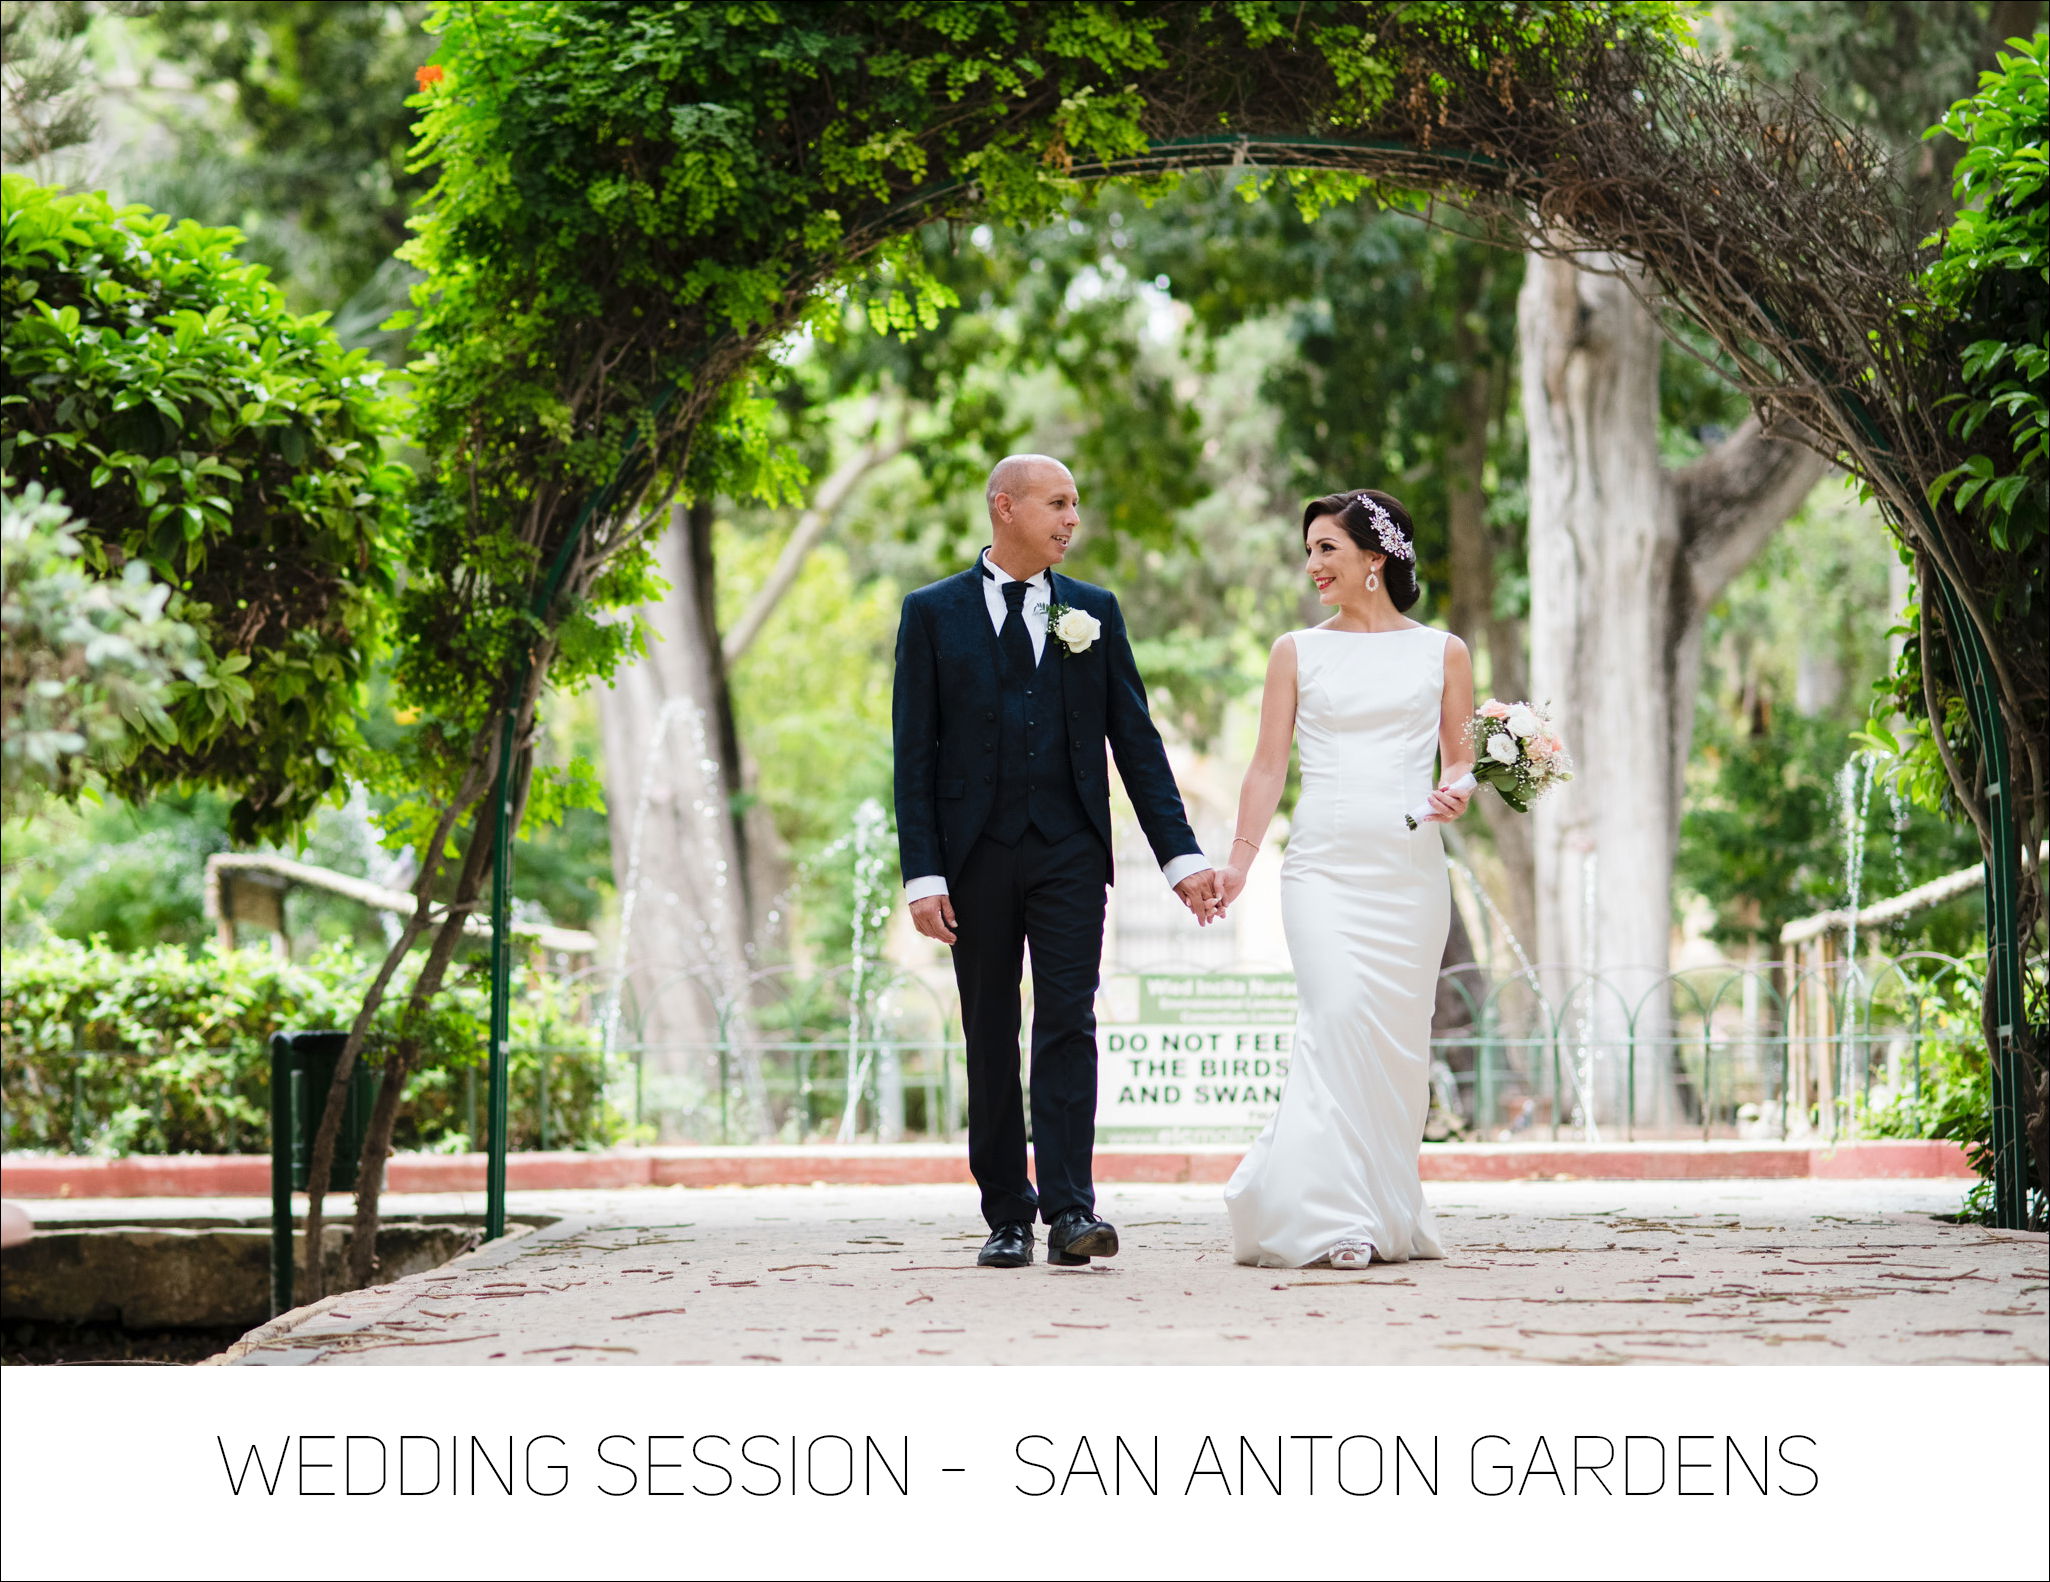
x,y
946,707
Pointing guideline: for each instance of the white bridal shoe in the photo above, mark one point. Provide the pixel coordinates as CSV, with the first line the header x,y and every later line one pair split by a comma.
x,y
1352,1255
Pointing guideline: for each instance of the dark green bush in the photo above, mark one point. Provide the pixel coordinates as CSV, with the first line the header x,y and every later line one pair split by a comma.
x,y
194,423
167,1051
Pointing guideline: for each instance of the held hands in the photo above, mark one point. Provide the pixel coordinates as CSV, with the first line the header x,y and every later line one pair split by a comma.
x,y
1233,880
934,918
1203,894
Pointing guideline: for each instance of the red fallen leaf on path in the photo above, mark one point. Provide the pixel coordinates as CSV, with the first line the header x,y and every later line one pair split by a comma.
x,y
620,1318
921,1297
789,1266
756,1356
1057,1324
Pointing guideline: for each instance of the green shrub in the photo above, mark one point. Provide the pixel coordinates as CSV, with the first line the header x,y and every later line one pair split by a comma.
x,y
85,661
1953,1098
167,1051
193,423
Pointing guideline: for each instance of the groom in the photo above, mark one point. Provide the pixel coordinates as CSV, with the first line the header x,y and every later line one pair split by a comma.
x,y
1003,820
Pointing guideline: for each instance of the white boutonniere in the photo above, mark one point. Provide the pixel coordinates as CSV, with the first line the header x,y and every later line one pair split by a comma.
x,y
1075,630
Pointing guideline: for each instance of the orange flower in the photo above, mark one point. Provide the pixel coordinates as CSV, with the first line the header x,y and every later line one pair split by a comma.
x,y
428,76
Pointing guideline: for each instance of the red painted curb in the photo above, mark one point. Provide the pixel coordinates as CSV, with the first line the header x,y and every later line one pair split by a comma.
x,y
1616,1164
1902,1159
246,1175
821,1169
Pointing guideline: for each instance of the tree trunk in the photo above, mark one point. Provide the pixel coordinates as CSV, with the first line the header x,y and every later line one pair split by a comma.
x,y
680,850
1625,559
1475,549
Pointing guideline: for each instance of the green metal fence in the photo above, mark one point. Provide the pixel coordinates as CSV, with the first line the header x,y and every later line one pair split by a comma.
x,y
1715,1052
1729,1051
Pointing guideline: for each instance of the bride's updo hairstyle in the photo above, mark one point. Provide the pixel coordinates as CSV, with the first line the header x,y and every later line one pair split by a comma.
x,y
1364,527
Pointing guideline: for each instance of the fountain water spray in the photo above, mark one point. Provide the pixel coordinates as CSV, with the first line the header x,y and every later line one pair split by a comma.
x,y
1898,806
1583,1062
1487,901
871,909
1854,798
608,1024
714,914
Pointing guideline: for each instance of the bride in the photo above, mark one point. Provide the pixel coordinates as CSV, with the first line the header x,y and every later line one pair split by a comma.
x,y
1372,697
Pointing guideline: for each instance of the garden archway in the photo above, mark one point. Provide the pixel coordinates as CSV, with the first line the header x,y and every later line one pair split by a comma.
x,y
636,201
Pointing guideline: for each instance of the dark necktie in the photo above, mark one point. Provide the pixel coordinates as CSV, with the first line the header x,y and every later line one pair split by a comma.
x,y
1012,639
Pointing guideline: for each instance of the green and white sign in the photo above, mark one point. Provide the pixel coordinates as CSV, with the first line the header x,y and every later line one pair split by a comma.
x,y
1205,1054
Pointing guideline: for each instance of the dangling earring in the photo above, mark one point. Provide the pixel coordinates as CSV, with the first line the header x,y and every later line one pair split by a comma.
x,y
1373,581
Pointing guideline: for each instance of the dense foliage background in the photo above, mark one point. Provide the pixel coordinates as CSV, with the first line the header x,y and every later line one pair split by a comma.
x,y
1204,352
195,426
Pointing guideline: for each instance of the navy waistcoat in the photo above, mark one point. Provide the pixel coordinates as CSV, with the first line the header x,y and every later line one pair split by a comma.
x,y
1035,783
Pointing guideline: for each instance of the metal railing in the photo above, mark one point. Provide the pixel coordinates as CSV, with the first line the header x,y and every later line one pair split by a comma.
x,y
1728,1051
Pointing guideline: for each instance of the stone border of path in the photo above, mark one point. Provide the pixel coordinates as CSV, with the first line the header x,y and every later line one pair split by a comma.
x,y
242,1175
515,1242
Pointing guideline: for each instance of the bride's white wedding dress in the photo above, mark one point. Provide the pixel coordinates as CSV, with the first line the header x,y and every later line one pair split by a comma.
x,y
1365,905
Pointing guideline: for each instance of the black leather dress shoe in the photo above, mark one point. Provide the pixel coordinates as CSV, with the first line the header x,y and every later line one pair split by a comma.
x,y
1076,1236
1009,1246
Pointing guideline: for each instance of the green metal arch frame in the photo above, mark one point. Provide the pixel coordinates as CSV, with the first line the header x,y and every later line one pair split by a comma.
x,y
2003,871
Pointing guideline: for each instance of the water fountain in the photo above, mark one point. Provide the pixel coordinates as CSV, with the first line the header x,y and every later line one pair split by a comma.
x,y
1583,1057
1527,972
713,916
1854,797
608,1022
871,909
1496,919
1897,805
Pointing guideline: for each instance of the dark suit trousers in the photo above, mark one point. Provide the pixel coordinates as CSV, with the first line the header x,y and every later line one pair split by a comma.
x,y
1050,895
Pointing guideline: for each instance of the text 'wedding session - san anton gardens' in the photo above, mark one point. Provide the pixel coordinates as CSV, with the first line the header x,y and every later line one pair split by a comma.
x,y
463,465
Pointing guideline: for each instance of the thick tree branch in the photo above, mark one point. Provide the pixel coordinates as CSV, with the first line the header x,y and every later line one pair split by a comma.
x,y
817,520
1732,500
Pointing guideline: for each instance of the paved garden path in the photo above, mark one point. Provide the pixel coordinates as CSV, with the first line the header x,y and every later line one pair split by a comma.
x,y
1595,1272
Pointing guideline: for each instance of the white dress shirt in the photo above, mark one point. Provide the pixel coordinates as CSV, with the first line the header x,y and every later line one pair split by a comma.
x,y
1036,600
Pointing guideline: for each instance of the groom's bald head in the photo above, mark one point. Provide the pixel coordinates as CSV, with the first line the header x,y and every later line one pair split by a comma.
x,y
1033,513
1017,475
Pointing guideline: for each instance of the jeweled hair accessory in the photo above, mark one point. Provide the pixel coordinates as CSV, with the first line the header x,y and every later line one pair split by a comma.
x,y
1392,541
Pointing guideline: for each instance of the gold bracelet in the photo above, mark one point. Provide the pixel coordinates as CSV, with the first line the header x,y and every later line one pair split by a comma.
x,y
1239,839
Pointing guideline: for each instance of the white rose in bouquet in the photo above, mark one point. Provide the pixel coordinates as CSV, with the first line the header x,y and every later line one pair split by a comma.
x,y
1517,751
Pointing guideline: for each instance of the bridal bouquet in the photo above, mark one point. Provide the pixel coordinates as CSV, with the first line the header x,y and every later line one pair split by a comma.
x,y
1516,750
